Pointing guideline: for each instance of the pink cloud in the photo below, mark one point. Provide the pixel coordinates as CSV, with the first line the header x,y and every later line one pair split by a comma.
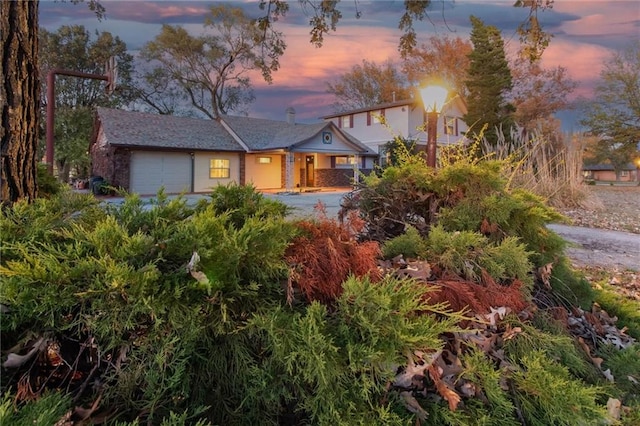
x,y
582,61
600,18
303,65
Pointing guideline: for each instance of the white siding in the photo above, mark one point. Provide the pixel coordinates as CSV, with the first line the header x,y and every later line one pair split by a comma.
x,y
151,170
406,121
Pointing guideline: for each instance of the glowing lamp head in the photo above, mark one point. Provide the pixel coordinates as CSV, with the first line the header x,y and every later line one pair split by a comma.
x,y
433,97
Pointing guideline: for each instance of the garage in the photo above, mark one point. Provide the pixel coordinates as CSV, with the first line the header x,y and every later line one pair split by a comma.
x,y
151,170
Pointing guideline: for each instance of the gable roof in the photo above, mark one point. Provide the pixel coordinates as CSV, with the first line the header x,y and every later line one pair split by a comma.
x,y
139,129
259,134
229,133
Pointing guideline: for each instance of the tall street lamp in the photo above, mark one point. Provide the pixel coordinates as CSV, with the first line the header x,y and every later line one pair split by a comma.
x,y
433,98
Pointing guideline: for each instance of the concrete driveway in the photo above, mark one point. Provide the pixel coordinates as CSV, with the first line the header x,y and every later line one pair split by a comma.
x,y
304,203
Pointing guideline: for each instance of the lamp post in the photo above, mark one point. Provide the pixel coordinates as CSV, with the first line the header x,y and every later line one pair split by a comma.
x,y
433,98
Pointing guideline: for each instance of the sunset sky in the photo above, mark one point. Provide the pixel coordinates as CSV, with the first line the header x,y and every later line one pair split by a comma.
x,y
586,33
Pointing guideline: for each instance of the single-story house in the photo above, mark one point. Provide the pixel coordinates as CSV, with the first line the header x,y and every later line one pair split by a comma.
x,y
606,172
141,152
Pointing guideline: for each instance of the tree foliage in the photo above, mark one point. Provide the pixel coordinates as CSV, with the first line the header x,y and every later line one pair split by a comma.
x,y
538,92
614,114
326,14
488,83
445,57
368,84
212,69
533,39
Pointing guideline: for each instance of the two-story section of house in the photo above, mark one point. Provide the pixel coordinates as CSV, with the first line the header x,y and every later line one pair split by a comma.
x,y
376,125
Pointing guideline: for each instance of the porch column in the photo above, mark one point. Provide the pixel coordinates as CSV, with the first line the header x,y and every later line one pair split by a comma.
x,y
356,169
290,162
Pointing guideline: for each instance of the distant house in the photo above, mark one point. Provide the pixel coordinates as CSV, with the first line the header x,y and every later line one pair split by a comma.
x,y
606,172
142,152
375,126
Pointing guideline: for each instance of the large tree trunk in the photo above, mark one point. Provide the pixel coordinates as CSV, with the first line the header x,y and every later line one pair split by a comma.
x,y
19,97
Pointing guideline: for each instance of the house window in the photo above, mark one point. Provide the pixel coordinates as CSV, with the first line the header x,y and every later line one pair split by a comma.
x,y
375,117
346,121
624,173
263,160
450,126
219,168
343,161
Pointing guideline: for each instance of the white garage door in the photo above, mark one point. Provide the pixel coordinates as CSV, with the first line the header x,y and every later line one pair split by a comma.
x,y
151,170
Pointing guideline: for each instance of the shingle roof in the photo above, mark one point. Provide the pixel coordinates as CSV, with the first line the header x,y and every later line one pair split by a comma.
x,y
259,134
129,128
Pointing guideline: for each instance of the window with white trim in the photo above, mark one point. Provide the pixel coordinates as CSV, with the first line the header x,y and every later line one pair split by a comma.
x,y
219,168
346,121
264,160
450,126
341,161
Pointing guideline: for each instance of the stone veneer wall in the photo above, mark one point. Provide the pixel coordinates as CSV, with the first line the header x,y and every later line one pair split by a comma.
x,y
336,177
243,169
112,164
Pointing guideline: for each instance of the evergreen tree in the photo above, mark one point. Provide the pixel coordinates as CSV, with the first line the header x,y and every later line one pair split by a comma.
x,y
488,82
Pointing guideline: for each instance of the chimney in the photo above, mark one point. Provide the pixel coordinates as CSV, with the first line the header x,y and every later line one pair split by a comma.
x,y
291,115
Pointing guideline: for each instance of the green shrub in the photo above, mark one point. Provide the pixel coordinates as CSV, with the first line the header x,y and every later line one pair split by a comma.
x,y
465,195
467,254
334,366
49,409
627,311
243,201
500,409
559,347
117,276
48,185
625,369
548,395
570,288
410,245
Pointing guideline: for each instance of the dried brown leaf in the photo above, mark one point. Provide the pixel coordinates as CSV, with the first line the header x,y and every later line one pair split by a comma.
x,y
444,388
